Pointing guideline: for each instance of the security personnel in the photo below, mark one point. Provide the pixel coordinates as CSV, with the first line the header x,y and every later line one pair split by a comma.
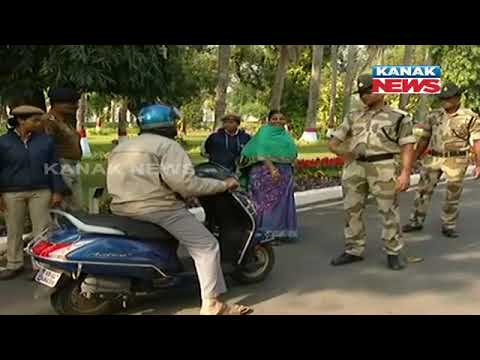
x,y
61,125
378,138
449,130
25,186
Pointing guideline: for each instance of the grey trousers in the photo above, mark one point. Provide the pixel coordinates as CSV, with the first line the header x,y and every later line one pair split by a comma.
x,y
202,246
38,204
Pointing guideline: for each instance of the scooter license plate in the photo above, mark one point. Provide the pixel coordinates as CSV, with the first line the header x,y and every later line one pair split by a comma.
x,y
48,277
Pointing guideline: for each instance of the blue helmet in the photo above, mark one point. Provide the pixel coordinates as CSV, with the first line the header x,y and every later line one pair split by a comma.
x,y
157,116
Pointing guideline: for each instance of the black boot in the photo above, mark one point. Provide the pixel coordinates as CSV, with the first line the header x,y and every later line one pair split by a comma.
x,y
412,227
451,233
344,259
10,274
394,262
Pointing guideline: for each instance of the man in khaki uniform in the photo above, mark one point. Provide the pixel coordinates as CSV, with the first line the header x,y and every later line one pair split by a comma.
x,y
61,125
449,131
377,138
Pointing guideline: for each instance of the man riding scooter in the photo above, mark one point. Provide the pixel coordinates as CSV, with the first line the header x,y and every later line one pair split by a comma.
x,y
149,177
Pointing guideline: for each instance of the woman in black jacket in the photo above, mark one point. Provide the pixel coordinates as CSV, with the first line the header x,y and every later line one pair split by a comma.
x,y
29,178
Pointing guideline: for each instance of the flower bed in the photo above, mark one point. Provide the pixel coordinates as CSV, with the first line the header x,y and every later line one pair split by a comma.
x,y
318,173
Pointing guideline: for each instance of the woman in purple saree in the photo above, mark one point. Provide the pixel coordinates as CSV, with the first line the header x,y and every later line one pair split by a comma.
x,y
267,169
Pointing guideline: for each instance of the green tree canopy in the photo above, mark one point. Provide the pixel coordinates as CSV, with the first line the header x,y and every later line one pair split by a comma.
x,y
461,64
138,72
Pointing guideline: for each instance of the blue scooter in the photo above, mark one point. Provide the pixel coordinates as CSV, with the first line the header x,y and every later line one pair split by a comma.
x,y
95,264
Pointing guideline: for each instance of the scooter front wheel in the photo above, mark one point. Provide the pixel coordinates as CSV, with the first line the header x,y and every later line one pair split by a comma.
x,y
69,300
257,268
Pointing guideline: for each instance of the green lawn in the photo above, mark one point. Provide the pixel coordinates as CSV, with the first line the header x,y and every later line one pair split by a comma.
x,y
102,144
313,151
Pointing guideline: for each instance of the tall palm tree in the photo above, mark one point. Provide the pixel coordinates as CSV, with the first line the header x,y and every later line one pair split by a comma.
x,y
424,101
407,60
222,83
122,120
280,75
352,62
310,131
288,54
81,115
333,91
82,111
3,114
373,52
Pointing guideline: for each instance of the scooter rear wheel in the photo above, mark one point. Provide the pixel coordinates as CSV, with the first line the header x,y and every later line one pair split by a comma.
x,y
258,268
68,300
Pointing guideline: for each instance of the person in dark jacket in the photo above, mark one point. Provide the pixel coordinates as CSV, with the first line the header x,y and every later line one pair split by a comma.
x,y
224,146
30,177
61,125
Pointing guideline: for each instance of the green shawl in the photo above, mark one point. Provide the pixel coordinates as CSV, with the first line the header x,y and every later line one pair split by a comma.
x,y
269,143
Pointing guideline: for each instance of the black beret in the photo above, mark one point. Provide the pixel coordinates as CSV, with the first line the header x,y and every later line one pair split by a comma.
x,y
63,95
364,84
450,90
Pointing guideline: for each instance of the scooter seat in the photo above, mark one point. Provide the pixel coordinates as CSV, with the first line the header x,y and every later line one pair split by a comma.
x,y
137,229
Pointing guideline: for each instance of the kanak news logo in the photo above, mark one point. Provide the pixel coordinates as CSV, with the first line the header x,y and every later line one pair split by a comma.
x,y
413,79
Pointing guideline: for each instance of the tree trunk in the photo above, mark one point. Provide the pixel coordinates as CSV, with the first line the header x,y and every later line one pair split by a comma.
x,y
349,78
280,75
407,60
379,56
98,123
310,132
222,83
113,111
382,54
333,91
3,115
82,112
122,121
373,52
184,126
423,103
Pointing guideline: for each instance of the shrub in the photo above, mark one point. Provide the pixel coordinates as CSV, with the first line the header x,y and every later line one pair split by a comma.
x,y
326,166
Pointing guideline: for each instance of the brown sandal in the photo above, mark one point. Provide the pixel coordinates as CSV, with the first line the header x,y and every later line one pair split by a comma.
x,y
226,309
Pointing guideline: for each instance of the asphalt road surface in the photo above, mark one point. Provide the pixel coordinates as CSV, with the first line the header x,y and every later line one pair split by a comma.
x,y
303,281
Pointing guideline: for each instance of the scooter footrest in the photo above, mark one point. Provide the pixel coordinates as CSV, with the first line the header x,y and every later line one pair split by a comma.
x,y
165,282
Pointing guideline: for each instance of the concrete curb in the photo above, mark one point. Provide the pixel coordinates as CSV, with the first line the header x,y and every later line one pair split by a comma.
x,y
302,199
308,197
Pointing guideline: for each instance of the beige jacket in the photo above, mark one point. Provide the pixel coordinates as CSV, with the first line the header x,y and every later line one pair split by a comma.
x,y
374,132
450,132
151,173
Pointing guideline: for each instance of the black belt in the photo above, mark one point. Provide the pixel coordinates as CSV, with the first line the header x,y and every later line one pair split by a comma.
x,y
448,154
375,158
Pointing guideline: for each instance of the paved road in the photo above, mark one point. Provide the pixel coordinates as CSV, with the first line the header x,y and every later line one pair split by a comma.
x,y
303,282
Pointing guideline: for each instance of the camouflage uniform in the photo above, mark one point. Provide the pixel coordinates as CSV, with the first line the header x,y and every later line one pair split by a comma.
x,y
449,136
371,133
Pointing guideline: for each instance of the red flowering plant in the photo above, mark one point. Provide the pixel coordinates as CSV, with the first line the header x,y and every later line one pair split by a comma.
x,y
326,166
318,173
